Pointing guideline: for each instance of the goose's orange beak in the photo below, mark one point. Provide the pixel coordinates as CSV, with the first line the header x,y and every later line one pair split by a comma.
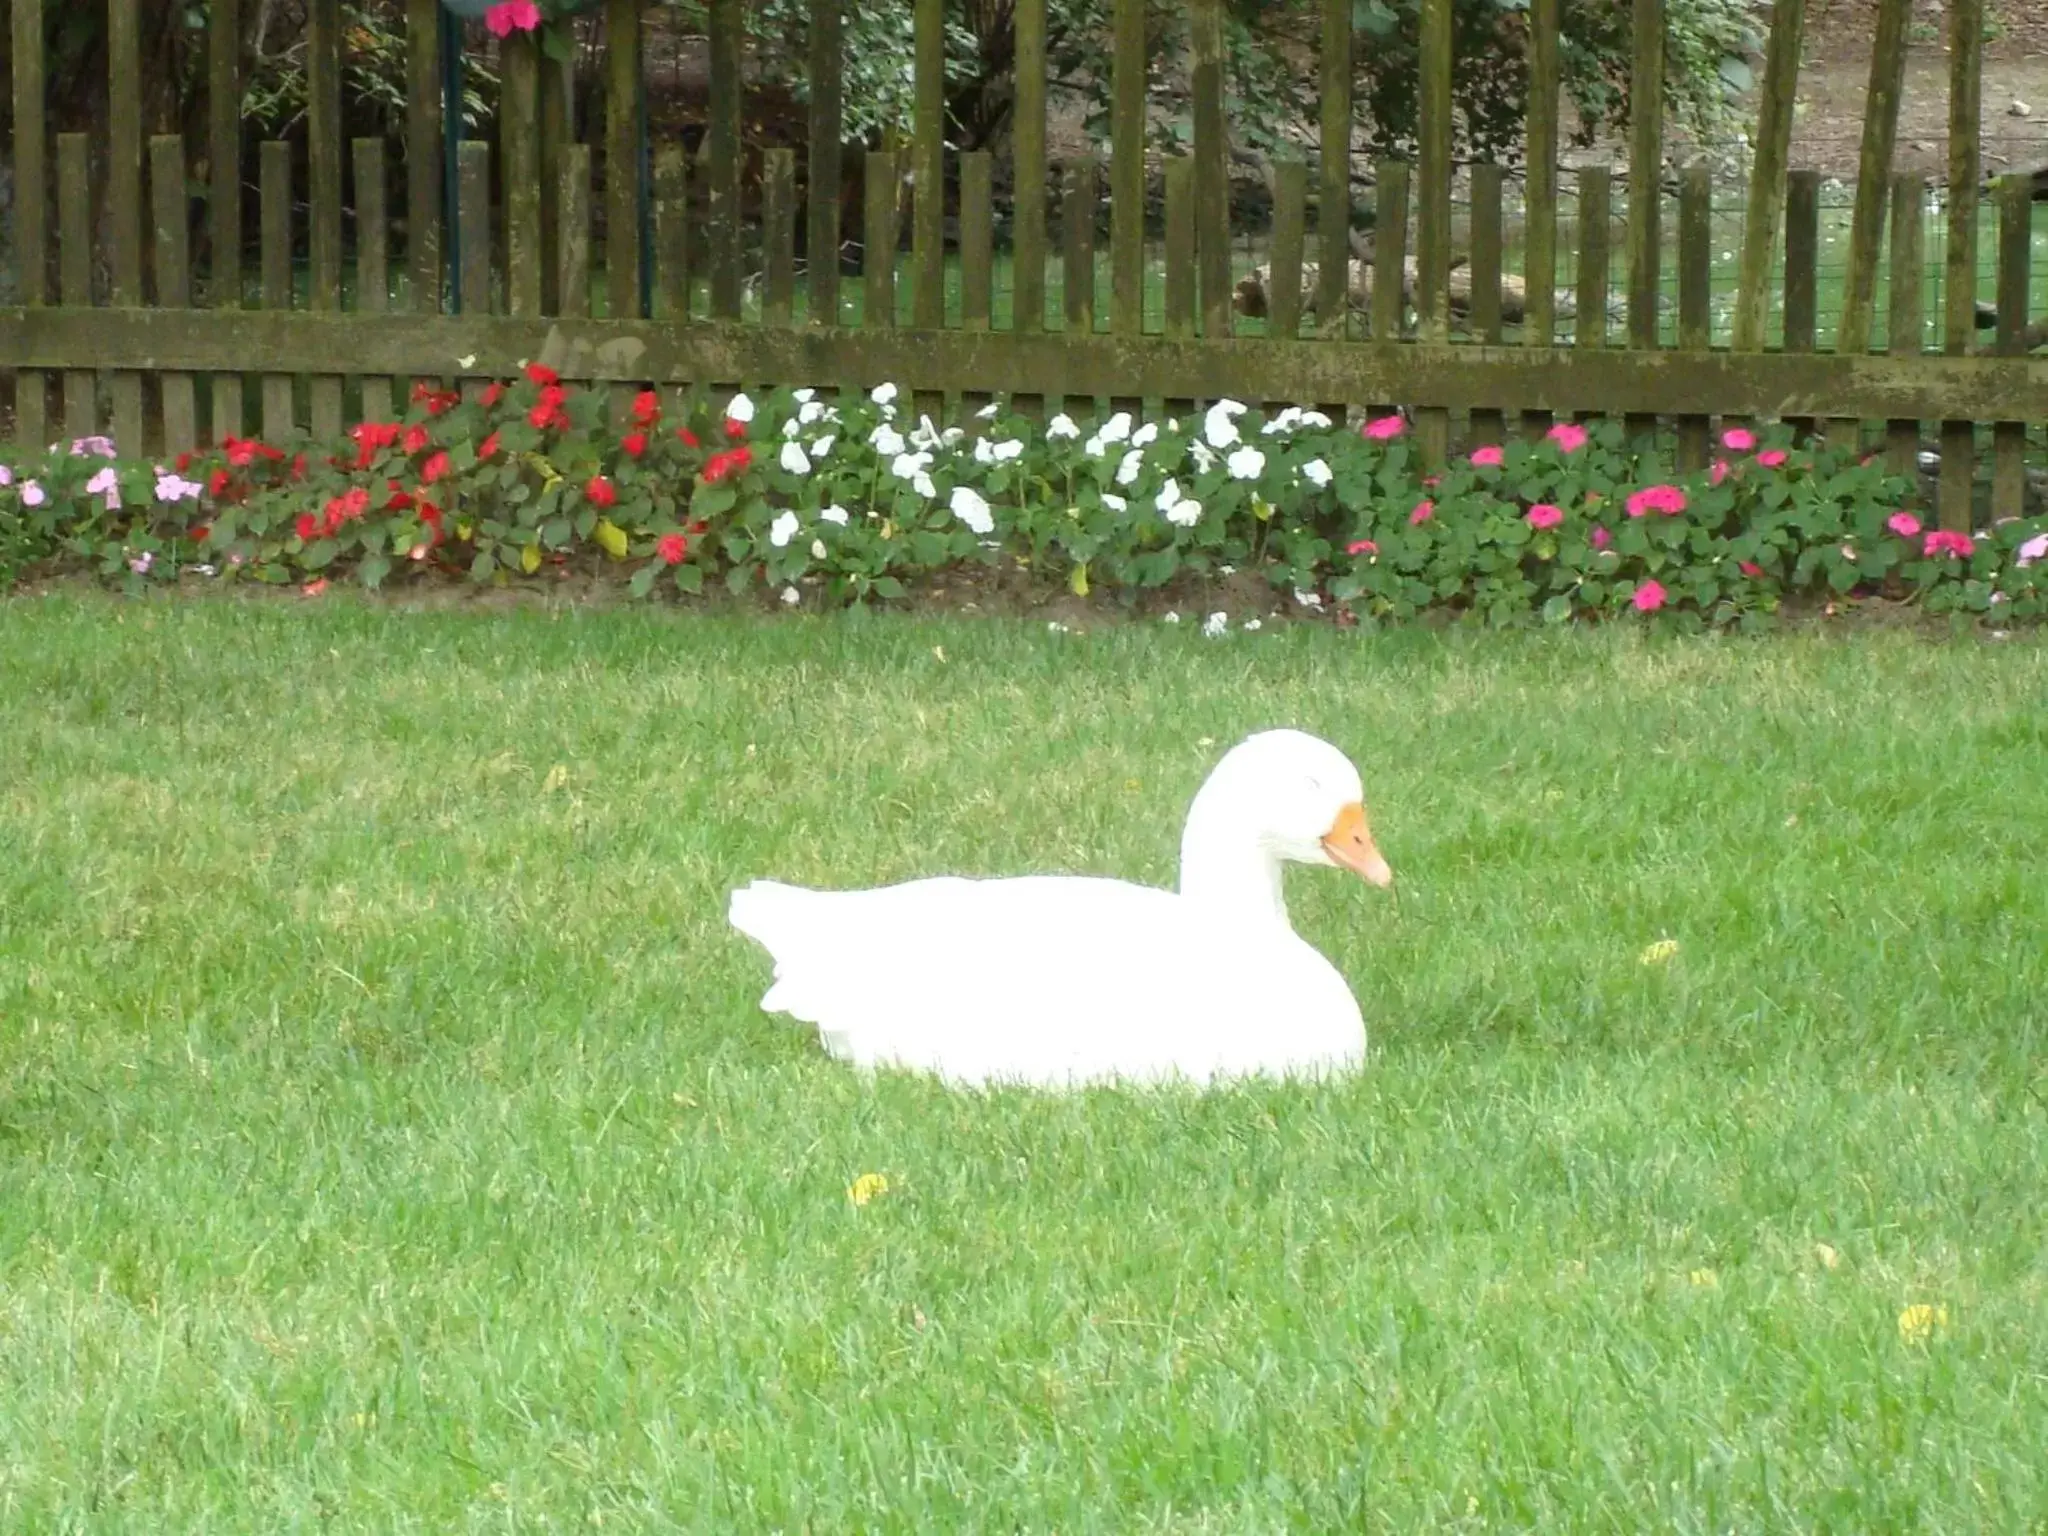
x,y
1349,843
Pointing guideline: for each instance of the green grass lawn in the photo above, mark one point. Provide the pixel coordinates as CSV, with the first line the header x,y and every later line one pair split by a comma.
x,y
389,1138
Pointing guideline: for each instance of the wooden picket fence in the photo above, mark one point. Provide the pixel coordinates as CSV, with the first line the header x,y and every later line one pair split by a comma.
x,y
221,364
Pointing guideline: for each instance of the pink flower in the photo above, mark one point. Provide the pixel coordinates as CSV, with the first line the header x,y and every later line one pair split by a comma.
x,y
1668,499
1649,597
1424,511
1488,457
2034,549
1945,542
1738,440
1544,515
1904,524
1601,537
1361,547
1383,429
1771,458
1568,435
511,16
1750,568
1718,473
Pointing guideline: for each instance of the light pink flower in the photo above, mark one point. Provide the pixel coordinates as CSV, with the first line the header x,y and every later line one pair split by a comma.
x,y
1601,537
1383,428
1544,515
1771,458
1424,511
1488,457
512,16
32,494
1668,499
1904,524
107,484
2034,549
1718,473
1568,435
1946,542
1738,440
1649,597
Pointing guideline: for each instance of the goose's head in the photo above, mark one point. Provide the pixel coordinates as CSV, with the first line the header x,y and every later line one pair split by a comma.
x,y
1302,797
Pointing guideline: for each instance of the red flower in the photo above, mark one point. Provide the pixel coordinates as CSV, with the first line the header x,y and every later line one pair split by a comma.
x,y
416,439
671,547
493,393
399,498
217,484
1750,568
241,450
182,463
600,492
202,533
634,443
430,514
315,588
696,528
489,447
435,468
1649,597
307,527
689,438
730,462
299,467
1946,541
736,430
646,408
371,437
541,374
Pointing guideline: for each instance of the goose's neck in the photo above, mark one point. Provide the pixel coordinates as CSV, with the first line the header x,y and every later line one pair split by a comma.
x,y
1226,864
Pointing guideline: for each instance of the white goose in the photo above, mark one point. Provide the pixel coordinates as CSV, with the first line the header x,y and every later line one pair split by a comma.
x,y
1062,980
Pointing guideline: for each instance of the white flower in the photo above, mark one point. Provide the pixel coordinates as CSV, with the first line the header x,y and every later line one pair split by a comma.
x,y
887,440
1218,426
803,396
1227,570
1114,502
1169,495
1127,472
988,412
1117,428
1055,627
1062,425
1316,472
1308,599
984,451
883,394
1217,624
1284,422
905,465
817,549
922,484
782,530
972,509
835,514
924,434
791,427
1009,448
739,409
791,596
951,436
1254,624
1095,447
794,459
1314,419
811,411
1204,459
1185,514
1170,617
823,445
1145,436
1246,463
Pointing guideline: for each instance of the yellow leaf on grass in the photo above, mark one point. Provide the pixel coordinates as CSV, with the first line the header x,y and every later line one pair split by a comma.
x,y
866,1187
529,559
611,538
1918,1322
1077,580
1657,953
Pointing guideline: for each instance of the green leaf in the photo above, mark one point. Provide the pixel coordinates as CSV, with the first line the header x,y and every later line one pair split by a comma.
x,y
643,580
373,571
690,578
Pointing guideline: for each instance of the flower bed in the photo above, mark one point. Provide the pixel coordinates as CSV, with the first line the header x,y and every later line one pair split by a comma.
x,y
845,499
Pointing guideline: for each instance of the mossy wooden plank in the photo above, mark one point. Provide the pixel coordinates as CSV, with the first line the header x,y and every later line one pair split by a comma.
x,y
1802,261
1539,199
1333,199
1589,328
928,164
822,217
519,169
1212,180
1078,203
728,25
423,23
1646,170
274,195
373,257
1127,170
74,272
31,210
1767,176
1028,171
224,194
574,231
557,85
1905,321
672,233
173,280
1179,323
1873,175
1959,283
2009,438
1695,294
124,203
879,237
977,254
1433,212
323,193
778,235
622,157
1390,248
1488,426
473,237
1290,215
1607,380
